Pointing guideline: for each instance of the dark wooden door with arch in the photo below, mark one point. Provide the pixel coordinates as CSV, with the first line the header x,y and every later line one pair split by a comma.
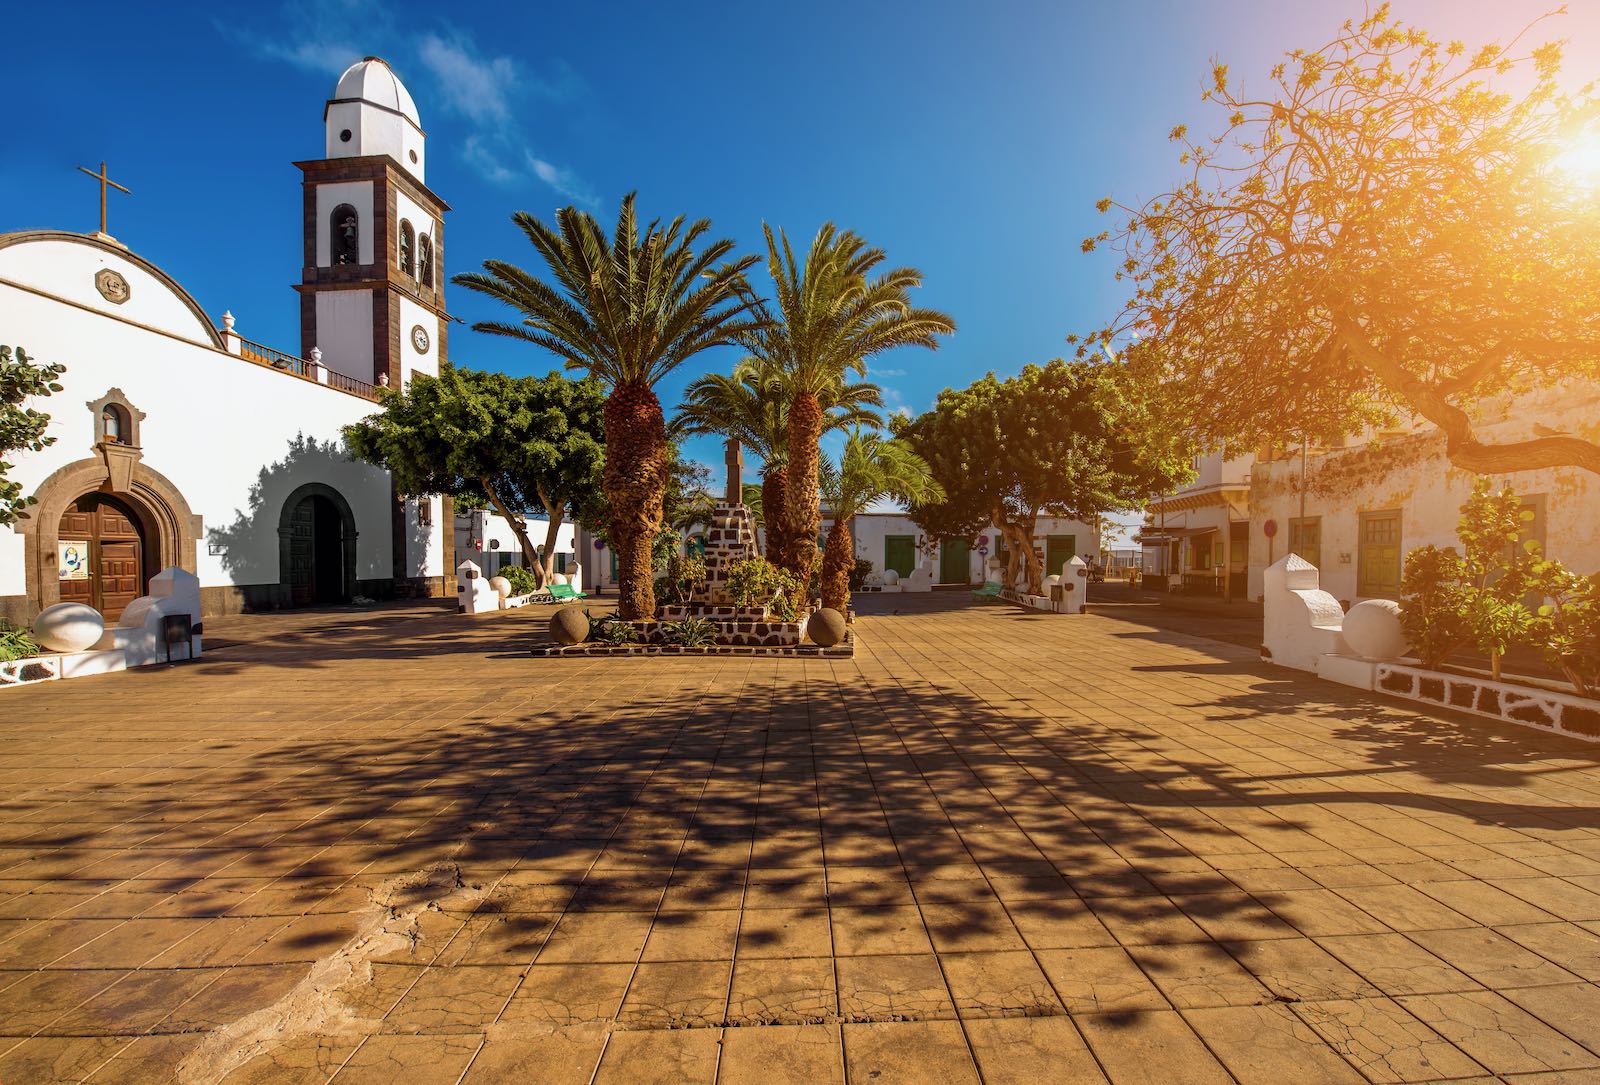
x,y
116,555
316,546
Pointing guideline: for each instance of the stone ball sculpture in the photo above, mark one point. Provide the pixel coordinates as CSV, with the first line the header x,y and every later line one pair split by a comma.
x,y
825,627
560,578
1052,580
569,626
1372,629
500,586
890,578
68,627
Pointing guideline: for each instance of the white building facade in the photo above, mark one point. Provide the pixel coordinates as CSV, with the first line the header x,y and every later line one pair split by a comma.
x,y
1363,508
1197,539
180,443
892,540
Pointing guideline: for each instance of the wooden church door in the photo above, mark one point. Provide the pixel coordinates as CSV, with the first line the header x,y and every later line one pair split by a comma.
x,y
302,553
103,555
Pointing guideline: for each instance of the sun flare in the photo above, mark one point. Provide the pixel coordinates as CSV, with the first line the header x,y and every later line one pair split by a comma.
x,y
1579,160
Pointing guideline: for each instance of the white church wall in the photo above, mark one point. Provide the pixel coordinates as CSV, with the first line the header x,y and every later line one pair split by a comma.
x,y
344,332
413,315
68,269
358,194
233,437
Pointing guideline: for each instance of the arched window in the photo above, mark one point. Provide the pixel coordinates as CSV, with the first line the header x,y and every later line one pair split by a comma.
x,y
113,425
116,421
425,260
344,235
408,244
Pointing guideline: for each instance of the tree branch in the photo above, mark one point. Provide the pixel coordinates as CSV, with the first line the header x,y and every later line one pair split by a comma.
x,y
1461,444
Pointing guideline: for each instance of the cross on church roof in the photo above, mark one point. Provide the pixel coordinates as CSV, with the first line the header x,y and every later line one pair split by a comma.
x,y
104,181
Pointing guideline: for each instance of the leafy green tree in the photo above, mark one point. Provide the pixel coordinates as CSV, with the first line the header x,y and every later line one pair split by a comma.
x,y
1075,439
751,405
22,429
626,310
515,442
1434,603
1566,626
834,313
1387,229
871,467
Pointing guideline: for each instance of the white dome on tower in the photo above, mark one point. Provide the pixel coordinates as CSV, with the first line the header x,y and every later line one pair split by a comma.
x,y
372,80
372,113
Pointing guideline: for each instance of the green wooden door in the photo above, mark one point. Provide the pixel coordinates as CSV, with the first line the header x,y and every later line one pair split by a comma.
x,y
1378,569
954,562
1058,550
900,553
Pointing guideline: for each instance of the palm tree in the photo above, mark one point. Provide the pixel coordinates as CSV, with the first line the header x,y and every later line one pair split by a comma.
x,y
628,311
833,318
871,467
751,405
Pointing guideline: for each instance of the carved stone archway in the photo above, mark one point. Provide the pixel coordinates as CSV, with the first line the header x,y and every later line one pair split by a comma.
x,y
347,538
172,529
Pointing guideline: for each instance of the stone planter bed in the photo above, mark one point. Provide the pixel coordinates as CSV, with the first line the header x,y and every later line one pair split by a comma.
x,y
793,651
1528,705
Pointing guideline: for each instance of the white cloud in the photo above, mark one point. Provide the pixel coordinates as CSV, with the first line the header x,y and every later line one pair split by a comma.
x,y
486,162
475,86
562,180
450,70
876,372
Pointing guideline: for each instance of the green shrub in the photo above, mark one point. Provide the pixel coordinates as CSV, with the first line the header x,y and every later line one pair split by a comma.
x,y
618,632
859,573
756,582
684,577
521,578
1433,603
691,632
1566,628
16,643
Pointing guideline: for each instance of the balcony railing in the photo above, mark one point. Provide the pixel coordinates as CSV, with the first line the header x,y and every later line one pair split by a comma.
x,y
303,368
277,359
351,385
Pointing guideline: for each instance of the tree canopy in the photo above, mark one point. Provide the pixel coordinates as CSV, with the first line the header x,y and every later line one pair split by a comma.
x,y
22,429
1385,228
1075,439
517,443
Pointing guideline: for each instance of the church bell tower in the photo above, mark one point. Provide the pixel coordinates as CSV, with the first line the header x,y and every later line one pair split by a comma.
x,y
372,286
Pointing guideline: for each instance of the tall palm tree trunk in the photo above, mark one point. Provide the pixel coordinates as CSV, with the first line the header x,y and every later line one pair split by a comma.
x,y
635,483
805,517
838,556
775,510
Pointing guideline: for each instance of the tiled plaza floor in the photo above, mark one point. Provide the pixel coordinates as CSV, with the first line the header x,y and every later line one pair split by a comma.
x,y
388,847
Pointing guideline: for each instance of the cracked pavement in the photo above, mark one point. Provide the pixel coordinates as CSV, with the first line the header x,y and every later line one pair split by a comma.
x,y
386,845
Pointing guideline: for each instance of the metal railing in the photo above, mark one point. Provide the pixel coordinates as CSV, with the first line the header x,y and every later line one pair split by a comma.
x,y
262,354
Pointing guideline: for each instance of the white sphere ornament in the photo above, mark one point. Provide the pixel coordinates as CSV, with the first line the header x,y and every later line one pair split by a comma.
x,y
1052,580
500,586
560,578
1372,629
69,627
890,578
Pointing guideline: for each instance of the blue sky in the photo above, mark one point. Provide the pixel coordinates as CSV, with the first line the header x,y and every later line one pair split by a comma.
x,y
970,140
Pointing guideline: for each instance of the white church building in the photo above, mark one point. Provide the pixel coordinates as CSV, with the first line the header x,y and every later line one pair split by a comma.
x,y
180,443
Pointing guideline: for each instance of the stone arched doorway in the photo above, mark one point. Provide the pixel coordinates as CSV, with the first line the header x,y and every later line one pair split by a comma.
x,y
316,547
166,529
105,553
